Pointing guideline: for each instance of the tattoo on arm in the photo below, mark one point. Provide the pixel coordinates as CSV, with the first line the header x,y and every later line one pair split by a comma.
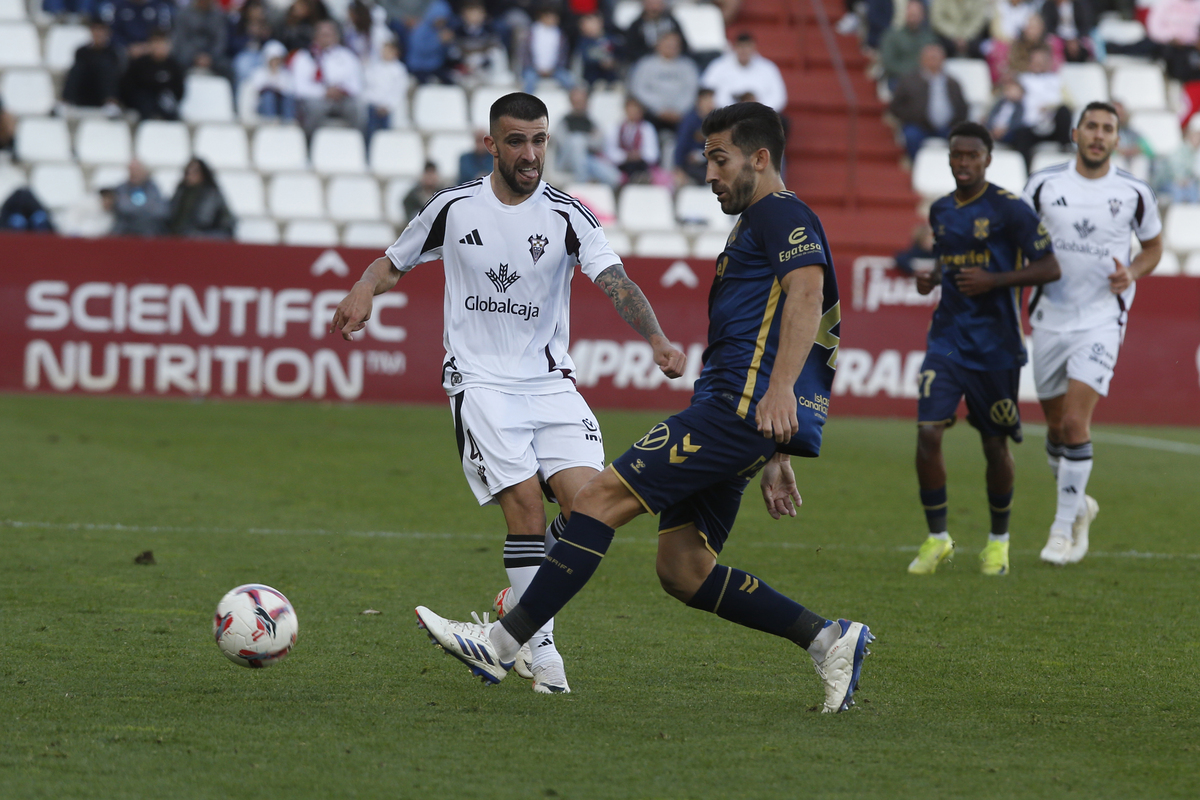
x,y
629,301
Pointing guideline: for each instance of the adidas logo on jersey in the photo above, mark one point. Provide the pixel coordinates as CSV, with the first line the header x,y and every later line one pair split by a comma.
x,y
471,238
1062,201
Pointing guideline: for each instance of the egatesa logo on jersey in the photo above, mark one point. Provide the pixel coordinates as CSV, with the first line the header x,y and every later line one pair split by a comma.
x,y
799,238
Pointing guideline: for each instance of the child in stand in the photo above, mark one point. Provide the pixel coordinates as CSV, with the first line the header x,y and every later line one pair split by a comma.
x,y
476,51
386,91
597,51
273,84
546,52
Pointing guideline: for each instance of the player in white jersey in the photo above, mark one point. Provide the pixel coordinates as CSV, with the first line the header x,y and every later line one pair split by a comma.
x,y
509,244
1090,208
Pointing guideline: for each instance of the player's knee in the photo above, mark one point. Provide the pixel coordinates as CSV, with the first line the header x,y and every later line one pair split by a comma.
x,y
1074,429
995,450
678,580
929,440
597,493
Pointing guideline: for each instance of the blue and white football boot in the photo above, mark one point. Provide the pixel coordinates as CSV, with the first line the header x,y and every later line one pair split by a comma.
x,y
466,641
841,665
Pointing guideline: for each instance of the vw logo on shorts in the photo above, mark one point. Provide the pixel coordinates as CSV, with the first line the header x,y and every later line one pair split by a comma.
x,y
655,438
1004,412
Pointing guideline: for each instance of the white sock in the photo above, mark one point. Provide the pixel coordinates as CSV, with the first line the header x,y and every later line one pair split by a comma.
x,y
997,537
506,646
522,557
944,536
1073,475
824,640
1054,456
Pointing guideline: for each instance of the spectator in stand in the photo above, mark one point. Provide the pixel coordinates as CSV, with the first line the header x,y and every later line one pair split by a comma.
x,y
1130,143
22,211
367,31
94,79
1007,114
901,47
632,146
198,209
927,102
744,70
1033,36
1045,117
200,35
274,86
249,34
579,145
477,52
8,130
428,185
1174,26
1071,22
91,217
690,163
1175,174
153,83
140,209
546,52
385,90
329,80
428,50
665,83
133,22
961,25
300,24
1007,24
597,51
644,32
919,255
476,162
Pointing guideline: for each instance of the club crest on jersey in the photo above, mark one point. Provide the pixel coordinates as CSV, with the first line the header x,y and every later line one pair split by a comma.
x,y
1114,205
1085,228
537,246
982,227
502,279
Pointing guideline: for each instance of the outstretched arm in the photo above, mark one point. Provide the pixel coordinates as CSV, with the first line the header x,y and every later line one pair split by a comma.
x,y
355,309
635,309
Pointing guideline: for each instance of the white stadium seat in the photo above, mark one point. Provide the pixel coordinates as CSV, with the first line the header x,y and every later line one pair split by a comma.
x,y
558,104
625,12
57,185
1181,229
1049,158
12,10
338,150
481,104
1119,31
698,206
42,139
206,98
280,148
973,76
353,198
1007,171
598,197
709,245
296,195
256,231
440,108
1140,87
107,177
243,192
310,233
369,235
703,26
103,141
1085,83
393,199
61,43
159,143
606,108
167,180
395,153
27,92
661,245
11,179
646,208
445,149
1168,264
931,172
1191,267
618,240
222,146
1160,129
19,45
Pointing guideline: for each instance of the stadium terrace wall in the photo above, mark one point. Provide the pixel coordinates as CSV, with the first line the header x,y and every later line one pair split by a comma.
x,y
216,319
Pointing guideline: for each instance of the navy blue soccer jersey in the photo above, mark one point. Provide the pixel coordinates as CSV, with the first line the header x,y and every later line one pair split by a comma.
x,y
774,236
996,231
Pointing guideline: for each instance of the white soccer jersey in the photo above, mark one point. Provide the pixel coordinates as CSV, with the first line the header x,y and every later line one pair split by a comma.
x,y
1089,222
508,282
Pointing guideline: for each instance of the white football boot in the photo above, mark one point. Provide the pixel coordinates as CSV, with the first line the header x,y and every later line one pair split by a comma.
x,y
466,641
1058,549
503,602
1079,531
841,665
551,678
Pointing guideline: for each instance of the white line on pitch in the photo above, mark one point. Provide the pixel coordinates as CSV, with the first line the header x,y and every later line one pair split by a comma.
x,y
99,526
1144,442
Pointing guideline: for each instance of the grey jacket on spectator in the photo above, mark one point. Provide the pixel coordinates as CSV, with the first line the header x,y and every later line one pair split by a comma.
x,y
200,211
662,84
201,30
140,210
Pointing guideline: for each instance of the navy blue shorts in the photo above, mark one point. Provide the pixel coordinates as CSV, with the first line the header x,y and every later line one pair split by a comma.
x,y
693,467
991,396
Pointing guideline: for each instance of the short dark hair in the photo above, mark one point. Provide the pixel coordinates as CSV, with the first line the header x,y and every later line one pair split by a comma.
x,y
518,105
1098,105
753,127
744,36
973,129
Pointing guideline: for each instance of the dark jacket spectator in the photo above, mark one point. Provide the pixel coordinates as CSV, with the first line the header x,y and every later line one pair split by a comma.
x,y
296,30
153,83
927,102
690,163
643,33
134,20
22,211
198,209
476,162
1069,19
200,36
140,209
1007,115
597,51
94,78
426,187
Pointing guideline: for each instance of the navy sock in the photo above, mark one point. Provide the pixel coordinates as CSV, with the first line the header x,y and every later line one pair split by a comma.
x,y
935,504
1001,507
742,598
562,574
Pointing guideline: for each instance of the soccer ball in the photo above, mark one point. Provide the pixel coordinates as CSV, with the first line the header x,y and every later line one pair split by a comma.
x,y
255,626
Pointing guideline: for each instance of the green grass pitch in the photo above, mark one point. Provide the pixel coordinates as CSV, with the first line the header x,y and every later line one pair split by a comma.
x,y
1077,682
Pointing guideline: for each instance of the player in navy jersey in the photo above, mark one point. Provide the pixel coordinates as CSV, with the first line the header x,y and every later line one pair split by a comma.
x,y
762,396
983,237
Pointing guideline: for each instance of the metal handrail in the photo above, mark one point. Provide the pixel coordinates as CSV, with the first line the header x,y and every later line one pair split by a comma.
x,y
839,66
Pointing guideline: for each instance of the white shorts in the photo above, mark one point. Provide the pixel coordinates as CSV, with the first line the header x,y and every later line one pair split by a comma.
x,y
1086,356
504,439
